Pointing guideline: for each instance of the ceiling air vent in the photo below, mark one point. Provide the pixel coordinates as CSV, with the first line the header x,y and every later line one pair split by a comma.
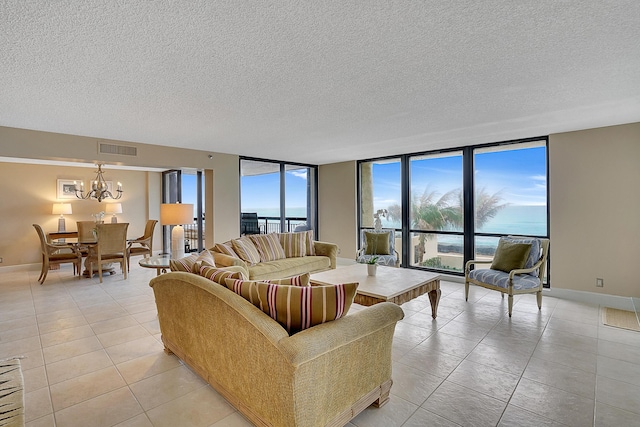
x,y
120,150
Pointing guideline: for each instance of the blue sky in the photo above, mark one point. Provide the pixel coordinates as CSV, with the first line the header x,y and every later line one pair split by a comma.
x,y
518,176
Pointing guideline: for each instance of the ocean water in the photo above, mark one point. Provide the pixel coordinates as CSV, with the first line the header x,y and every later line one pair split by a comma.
x,y
512,219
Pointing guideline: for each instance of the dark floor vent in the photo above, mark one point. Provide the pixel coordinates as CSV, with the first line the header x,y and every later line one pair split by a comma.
x,y
121,150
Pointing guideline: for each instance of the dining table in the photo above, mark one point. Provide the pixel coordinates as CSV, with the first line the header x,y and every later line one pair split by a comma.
x,y
72,240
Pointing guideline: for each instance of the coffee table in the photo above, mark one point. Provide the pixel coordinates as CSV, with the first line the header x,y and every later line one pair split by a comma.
x,y
159,262
397,285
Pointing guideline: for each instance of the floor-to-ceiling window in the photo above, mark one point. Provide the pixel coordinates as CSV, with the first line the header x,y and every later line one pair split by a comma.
x,y
510,193
436,211
451,206
380,190
282,195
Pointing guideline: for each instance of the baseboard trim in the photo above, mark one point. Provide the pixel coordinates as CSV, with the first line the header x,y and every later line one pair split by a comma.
x,y
593,298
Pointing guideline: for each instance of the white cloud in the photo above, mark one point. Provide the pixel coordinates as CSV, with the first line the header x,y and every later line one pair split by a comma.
x,y
299,173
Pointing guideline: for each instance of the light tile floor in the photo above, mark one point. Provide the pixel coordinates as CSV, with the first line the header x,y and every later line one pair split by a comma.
x,y
93,357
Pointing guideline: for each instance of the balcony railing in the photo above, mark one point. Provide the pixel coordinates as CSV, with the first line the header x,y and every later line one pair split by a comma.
x,y
267,224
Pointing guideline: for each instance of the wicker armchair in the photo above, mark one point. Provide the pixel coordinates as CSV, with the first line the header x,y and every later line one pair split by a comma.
x,y
56,255
525,280
143,245
111,247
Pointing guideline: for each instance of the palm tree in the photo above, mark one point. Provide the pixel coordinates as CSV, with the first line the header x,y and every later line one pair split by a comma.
x,y
428,212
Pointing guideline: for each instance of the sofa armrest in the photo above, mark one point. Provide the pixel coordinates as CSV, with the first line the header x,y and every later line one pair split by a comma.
x,y
320,339
343,361
327,249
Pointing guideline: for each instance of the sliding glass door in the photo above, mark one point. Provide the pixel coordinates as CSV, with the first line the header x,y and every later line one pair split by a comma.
x,y
282,195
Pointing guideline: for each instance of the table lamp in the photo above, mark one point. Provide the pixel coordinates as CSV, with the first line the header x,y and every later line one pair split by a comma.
x,y
113,208
61,209
176,214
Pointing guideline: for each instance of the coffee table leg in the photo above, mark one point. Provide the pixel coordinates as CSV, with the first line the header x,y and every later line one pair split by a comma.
x,y
434,298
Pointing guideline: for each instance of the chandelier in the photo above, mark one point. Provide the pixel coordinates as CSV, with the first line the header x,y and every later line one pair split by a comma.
x,y
99,188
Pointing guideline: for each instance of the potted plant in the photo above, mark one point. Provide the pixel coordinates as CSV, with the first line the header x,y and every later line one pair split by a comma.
x,y
372,265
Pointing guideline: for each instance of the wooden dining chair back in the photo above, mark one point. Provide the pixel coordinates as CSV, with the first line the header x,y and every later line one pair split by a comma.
x,y
111,247
86,233
143,245
56,254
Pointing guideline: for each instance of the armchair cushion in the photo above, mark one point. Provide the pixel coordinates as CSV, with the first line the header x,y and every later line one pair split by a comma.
x,y
534,254
501,279
510,256
377,243
297,308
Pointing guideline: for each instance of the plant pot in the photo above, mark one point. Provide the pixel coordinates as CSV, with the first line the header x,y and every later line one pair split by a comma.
x,y
371,269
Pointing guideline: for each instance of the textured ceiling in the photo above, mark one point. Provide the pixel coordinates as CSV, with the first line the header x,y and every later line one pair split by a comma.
x,y
318,81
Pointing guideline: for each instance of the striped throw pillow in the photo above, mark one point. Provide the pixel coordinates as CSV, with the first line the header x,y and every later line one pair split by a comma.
x,y
294,244
183,264
311,250
246,250
268,246
226,248
299,308
219,275
248,290
205,258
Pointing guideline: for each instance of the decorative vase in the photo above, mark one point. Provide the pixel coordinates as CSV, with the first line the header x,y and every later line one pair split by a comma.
x,y
371,269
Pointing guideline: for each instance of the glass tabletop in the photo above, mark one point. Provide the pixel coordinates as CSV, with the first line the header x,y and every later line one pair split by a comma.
x,y
157,261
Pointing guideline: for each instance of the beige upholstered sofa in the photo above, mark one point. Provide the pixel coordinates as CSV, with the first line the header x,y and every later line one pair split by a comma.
x,y
324,375
323,257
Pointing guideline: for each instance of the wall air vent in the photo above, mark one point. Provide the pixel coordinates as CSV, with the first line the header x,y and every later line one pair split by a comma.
x,y
120,150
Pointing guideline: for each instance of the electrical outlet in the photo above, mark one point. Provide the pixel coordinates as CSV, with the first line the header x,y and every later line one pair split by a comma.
x,y
599,283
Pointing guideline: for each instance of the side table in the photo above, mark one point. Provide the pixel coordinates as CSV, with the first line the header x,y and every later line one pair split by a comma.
x,y
159,262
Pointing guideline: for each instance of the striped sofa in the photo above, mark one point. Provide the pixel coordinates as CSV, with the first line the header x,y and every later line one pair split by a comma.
x,y
322,376
276,255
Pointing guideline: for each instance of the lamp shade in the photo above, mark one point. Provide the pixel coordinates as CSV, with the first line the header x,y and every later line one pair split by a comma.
x,y
113,208
61,209
176,213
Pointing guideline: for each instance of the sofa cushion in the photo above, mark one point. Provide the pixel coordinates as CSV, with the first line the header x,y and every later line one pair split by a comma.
x,y
288,267
219,275
298,308
377,243
183,264
268,246
294,244
226,248
248,290
510,256
246,250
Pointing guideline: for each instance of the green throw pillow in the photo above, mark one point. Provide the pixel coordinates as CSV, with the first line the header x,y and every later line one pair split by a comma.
x,y
510,256
377,243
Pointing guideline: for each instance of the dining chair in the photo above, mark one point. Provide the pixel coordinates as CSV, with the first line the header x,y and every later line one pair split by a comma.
x,y
145,242
56,254
111,247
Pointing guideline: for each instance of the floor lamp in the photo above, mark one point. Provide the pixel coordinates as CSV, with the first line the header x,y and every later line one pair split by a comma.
x,y
176,214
